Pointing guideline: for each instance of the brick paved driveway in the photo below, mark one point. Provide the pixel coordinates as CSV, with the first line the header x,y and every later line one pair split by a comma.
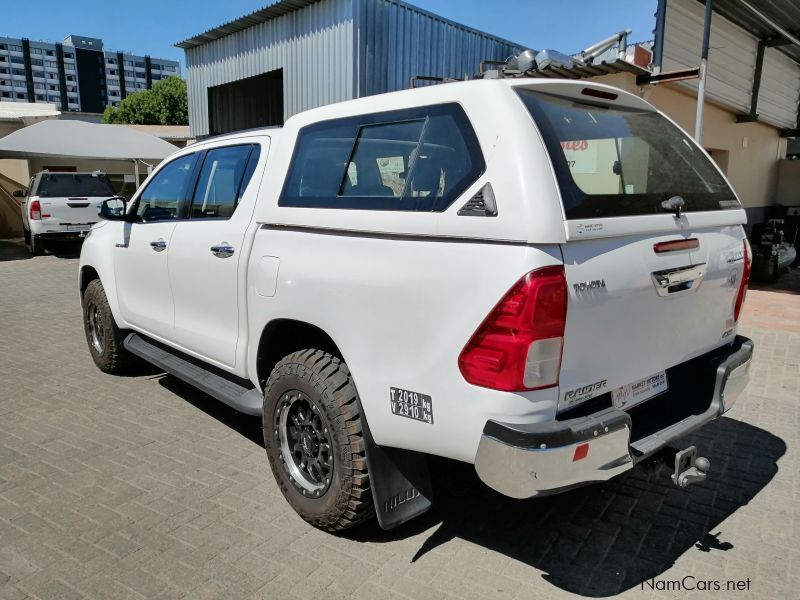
x,y
142,487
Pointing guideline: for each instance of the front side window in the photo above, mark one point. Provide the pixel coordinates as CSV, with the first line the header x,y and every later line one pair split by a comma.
x,y
223,178
162,197
615,161
418,159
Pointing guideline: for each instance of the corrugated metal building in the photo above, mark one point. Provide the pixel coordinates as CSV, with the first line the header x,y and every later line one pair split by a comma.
x,y
298,54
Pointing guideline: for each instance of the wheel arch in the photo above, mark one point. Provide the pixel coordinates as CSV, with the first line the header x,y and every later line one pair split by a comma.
x,y
87,274
281,337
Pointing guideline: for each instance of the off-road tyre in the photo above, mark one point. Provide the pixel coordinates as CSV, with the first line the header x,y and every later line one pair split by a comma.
x,y
34,243
323,382
110,355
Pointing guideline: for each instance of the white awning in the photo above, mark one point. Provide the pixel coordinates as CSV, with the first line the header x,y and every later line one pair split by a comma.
x,y
79,140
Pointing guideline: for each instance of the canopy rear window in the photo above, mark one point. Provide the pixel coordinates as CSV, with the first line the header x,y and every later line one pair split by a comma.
x,y
53,185
615,161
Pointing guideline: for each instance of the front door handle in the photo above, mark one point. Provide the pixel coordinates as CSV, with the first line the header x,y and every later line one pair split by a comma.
x,y
159,245
223,250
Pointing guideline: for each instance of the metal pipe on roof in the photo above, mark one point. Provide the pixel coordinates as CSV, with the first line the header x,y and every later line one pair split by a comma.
x,y
792,38
701,89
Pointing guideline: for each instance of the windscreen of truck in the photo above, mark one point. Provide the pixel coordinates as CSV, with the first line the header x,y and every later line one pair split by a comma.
x,y
71,185
615,161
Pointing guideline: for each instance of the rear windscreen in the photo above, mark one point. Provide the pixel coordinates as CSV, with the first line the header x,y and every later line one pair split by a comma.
x,y
74,184
615,161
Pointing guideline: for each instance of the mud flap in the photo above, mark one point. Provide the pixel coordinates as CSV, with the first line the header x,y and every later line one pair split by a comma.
x,y
400,480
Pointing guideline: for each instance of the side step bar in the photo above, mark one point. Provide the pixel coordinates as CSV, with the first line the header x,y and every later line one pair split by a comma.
x,y
247,400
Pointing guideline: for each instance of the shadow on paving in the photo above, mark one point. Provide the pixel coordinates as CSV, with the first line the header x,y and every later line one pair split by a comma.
x,y
17,251
597,540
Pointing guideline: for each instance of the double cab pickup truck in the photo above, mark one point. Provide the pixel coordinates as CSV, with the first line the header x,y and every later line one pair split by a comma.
x,y
540,278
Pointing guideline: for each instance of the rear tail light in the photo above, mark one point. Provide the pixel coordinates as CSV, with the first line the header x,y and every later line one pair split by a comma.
x,y
748,265
518,346
35,210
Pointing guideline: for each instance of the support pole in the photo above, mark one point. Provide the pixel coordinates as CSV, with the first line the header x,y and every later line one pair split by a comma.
x,y
658,50
136,171
701,89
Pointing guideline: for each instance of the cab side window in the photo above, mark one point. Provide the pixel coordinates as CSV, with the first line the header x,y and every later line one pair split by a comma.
x,y
162,197
223,178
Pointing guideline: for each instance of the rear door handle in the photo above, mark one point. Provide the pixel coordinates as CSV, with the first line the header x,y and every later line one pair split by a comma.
x,y
158,245
673,281
223,250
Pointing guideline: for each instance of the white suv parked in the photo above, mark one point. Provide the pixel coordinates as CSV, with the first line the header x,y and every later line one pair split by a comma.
x,y
540,278
62,206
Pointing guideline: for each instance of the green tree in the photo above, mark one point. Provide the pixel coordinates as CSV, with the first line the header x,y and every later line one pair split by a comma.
x,y
164,104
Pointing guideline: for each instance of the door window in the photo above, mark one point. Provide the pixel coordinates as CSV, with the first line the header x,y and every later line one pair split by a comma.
x,y
224,176
162,197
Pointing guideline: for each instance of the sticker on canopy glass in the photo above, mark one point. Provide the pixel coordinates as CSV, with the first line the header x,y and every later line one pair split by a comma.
x,y
632,394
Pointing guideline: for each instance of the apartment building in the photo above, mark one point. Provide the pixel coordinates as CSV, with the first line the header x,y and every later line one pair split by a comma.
x,y
77,75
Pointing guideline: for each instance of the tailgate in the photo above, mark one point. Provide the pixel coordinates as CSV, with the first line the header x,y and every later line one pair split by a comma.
x,y
640,304
64,213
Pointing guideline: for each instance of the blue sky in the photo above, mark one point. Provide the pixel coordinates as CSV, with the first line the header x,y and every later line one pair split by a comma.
x,y
153,26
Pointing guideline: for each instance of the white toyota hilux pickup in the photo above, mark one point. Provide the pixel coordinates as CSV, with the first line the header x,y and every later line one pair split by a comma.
x,y
539,278
62,207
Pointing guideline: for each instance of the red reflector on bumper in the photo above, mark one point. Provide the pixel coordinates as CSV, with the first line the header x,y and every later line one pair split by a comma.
x,y
581,451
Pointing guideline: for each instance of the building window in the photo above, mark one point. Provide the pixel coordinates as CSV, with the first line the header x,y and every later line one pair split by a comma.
x,y
6,94
111,61
4,70
70,77
169,68
69,55
37,62
3,47
15,48
51,63
41,98
52,87
139,65
112,71
22,96
51,75
36,50
127,63
155,66
129,74
38,86
50,52
17,59
20,72
69,67
5,82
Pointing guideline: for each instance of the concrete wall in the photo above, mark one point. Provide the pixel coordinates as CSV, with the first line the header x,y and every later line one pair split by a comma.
x,y
751,150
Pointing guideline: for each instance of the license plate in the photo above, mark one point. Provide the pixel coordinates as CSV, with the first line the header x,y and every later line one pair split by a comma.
x,y
633,393
78,227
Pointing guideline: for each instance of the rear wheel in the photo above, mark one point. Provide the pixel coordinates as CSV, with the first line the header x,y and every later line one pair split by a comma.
x,y
102,334
34,243
314,440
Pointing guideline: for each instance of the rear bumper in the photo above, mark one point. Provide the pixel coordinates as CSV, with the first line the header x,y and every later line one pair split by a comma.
x,y
56,236
525,460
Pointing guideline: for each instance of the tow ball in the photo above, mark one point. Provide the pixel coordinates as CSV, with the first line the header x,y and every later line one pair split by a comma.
x,y
688,467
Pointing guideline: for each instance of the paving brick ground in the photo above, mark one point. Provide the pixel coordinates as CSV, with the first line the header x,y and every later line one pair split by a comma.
x,y
142,487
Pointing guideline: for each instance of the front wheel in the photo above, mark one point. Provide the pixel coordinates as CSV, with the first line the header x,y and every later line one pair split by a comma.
x,y
102,334
315,441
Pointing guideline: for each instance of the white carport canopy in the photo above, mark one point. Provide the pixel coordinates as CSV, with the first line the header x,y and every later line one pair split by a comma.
x,y
82,140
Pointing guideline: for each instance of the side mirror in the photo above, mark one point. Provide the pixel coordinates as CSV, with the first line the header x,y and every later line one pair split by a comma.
x,y
19,193
113,209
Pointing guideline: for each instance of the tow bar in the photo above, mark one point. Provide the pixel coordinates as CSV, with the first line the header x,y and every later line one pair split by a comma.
x,y
688,467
